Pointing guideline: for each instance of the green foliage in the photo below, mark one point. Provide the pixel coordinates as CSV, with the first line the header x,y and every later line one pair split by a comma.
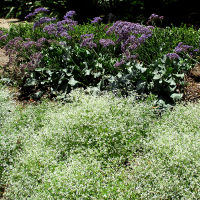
x,y
66,65
164,77
164,40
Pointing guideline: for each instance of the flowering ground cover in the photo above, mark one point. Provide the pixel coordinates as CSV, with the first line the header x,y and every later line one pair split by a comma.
x,y
98,147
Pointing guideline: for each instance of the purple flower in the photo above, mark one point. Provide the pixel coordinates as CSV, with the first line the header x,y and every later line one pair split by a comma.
x,y
28,44
87,36
69,14
69,22
29,15
13,45
130,35
87,41
66,35
50,29
3,37
182,48
154,18
61,27
1,33
196,50
35,61
143,38
129,56
117,64
172,56
106,42
43,20
36,11
96,20
41,40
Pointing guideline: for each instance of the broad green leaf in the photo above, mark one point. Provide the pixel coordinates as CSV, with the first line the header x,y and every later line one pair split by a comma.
x,y
157,76
72,81
87,72
96,75
176,96
179,75
141,68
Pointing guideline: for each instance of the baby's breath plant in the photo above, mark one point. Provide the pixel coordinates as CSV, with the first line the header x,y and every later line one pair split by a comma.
x,y
170,168
98,147
78,150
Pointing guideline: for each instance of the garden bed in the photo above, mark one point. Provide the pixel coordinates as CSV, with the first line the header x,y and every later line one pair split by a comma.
x,y
117,145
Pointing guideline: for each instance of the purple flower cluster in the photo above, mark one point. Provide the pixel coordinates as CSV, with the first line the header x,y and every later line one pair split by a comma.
x,y
130,35
69,14
3,37
43,20
106,42
66,35
35,61
62,27
182,48
39,43
28,44
87,41
51,29
96,20
154,18
18,49
36,11
13,45
128,55
119,63
172,56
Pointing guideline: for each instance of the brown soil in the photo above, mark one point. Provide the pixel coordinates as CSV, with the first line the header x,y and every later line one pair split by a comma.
x,y
5,23
191,90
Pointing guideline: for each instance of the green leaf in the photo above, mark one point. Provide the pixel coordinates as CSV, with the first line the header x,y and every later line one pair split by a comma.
x,y
157,76
72,81
98,65
30,82
96,75
171,82
141,68
176,96
87,72
179,75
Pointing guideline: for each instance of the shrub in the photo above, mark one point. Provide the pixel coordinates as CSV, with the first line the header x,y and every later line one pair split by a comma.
x,y
58,56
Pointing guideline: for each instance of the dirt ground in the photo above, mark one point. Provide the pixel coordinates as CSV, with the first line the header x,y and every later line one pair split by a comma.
x,y
191,89
5,23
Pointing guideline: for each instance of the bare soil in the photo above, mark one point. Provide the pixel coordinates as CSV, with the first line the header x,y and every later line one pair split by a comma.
x,y
5,23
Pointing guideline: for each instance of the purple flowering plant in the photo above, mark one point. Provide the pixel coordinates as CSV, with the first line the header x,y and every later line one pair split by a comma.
x,y
36,11
155,19
65,54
